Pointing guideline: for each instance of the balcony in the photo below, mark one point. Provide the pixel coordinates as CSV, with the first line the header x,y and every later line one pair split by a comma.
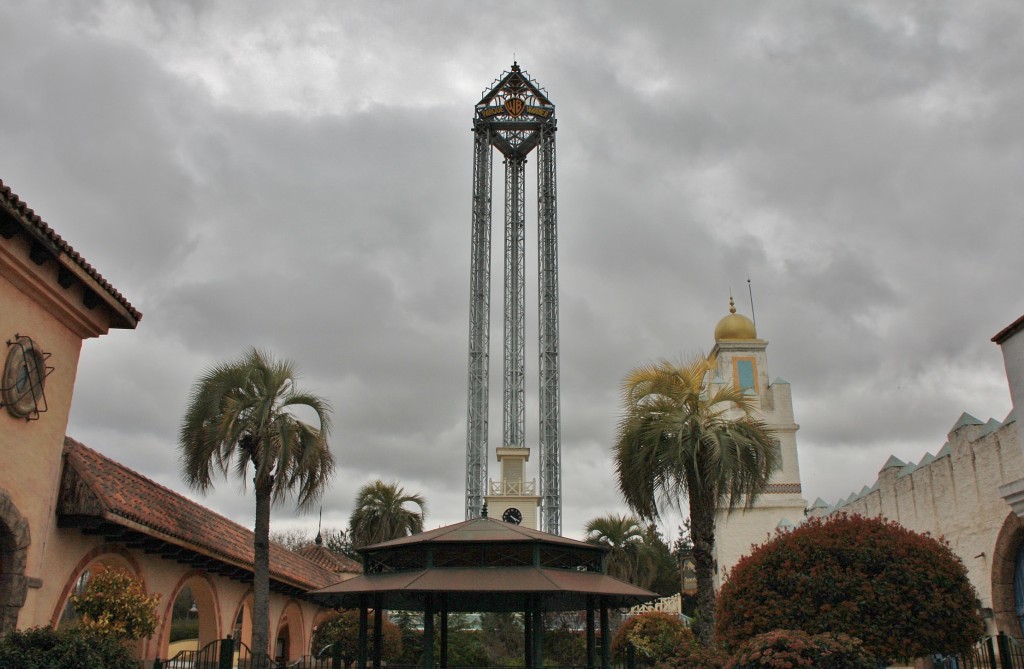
x,y
513,488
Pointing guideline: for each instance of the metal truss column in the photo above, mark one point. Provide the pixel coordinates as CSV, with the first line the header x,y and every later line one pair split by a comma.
x,y
479,325
515,302
547,286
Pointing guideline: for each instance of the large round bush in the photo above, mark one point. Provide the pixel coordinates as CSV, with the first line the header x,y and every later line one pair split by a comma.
x,y
903,594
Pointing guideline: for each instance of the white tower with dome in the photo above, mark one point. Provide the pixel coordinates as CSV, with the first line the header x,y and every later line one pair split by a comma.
x,y
740,358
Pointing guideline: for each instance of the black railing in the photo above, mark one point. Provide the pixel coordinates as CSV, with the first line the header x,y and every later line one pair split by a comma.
x,y
230,654
993,652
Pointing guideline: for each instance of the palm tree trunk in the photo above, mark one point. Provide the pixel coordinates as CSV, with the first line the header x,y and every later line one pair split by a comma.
x,y
702,521
261,575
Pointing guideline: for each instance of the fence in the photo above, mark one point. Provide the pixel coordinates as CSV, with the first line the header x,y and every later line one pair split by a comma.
x,y
993,652
230,654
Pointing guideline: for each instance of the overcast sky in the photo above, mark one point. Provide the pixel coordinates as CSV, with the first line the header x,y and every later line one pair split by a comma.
x,y
297,176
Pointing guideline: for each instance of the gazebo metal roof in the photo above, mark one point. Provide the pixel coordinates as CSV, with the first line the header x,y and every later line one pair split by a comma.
x,y
489,566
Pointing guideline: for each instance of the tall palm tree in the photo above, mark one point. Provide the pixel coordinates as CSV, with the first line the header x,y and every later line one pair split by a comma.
x,y
240,414
382,513
681,438
630,558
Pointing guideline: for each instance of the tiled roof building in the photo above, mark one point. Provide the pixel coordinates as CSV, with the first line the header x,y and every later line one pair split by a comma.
x,y
66,511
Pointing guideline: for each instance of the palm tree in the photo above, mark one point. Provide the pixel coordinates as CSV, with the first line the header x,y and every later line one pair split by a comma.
x,y
630,558
381,514
240,414
680,438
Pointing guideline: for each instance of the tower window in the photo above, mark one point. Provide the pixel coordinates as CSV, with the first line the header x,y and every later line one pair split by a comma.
x,y
745,374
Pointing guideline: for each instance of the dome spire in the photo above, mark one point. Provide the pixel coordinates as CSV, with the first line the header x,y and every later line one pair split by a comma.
x,y
735,326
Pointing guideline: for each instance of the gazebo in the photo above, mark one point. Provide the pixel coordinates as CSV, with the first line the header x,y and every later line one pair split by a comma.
x,y
483,565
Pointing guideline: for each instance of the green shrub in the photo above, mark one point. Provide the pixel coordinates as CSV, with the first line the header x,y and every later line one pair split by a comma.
x,y
903,594
341,628
695,657
74,648
793,649
655,635
114,603
185,628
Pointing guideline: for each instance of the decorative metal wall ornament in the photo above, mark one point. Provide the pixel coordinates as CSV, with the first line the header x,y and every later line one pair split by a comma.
x,y
24,379
514,116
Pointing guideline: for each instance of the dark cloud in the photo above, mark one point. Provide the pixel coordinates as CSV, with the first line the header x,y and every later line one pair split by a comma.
x,y
298,177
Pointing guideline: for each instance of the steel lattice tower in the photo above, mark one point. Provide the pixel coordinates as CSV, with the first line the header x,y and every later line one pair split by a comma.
x,y
514,116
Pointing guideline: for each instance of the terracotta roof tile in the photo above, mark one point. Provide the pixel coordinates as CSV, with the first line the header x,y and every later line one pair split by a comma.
x,y
127,498
38,227
328,559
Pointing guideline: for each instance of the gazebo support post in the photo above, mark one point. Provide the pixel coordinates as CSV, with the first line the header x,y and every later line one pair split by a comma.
x,y
363,606
428,632
528,630
538,632
444,631
606,643
591,645
378,628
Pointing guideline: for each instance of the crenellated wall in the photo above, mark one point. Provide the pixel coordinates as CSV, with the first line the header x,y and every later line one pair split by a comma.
x,y
955,495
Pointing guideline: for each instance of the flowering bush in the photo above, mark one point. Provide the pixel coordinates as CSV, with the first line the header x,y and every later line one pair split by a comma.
x,y
655,636
115,604
903,594
790,649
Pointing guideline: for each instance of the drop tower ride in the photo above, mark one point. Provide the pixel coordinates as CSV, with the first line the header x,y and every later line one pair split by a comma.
x,y
515,117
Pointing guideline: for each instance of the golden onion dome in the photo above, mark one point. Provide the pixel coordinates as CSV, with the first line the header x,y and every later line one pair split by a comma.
x,y
735,326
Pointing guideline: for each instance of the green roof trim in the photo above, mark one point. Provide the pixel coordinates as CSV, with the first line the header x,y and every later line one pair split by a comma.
x,y
964,420
893,461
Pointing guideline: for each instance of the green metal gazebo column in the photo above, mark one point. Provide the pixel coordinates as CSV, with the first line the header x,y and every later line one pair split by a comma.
x,y
378,628
606,642
363,606
591,645
444,631
528,632
428,631
538,632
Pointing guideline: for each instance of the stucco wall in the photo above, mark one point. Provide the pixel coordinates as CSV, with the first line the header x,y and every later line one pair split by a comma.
x,y
1013,358
31,450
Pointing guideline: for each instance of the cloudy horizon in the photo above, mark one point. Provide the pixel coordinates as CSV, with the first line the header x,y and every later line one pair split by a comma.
x,y
297,177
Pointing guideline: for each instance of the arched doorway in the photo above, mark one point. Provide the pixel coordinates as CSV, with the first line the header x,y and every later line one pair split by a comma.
x,y
14,542
193,617
288,643
241,630
97,561
1008,578
1018,589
